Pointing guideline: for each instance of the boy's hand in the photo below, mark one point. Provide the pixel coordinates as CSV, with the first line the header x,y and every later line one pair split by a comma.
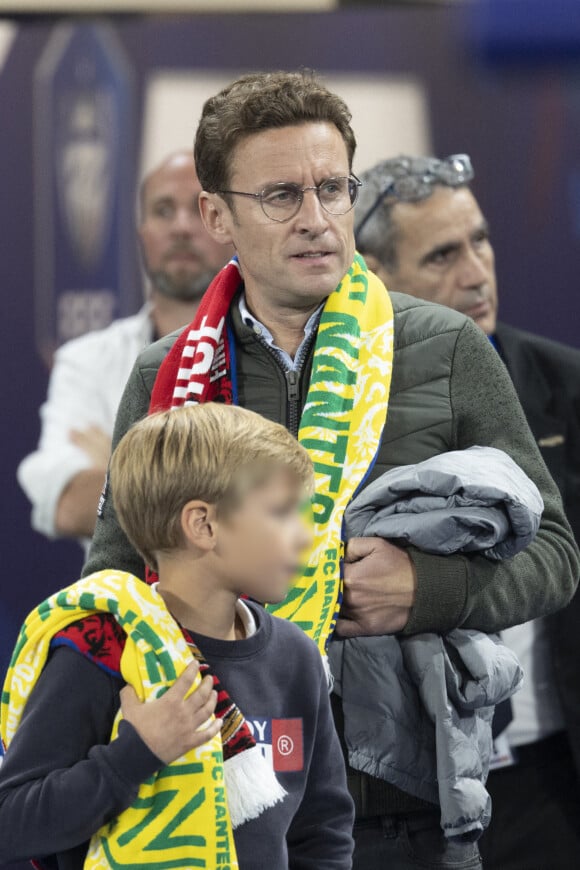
x,y
169,725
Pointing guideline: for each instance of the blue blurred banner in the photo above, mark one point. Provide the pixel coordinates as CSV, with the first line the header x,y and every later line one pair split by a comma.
x,y
84,225
534,30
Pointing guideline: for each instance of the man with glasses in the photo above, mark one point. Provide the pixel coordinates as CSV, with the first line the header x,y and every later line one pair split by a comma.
x,y
420,228
298,330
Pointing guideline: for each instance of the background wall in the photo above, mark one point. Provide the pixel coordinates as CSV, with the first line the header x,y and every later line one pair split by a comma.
x,y
424,86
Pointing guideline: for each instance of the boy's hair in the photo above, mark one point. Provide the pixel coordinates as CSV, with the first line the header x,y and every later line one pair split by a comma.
x,y
257,102
212,452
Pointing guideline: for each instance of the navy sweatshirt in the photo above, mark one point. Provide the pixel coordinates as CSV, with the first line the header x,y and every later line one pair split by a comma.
x,y
61,779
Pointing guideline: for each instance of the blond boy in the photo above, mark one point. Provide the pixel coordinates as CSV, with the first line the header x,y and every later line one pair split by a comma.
x,y
211,496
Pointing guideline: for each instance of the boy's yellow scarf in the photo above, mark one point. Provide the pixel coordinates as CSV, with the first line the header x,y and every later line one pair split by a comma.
x,y
180,817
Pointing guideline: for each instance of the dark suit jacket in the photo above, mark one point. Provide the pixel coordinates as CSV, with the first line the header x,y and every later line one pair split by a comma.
x,y
546,376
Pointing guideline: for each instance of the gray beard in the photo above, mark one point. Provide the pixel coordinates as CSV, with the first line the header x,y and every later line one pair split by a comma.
x,y
182,290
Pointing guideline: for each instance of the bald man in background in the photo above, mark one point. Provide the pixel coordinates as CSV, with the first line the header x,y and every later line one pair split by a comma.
x,y
420,228
64,476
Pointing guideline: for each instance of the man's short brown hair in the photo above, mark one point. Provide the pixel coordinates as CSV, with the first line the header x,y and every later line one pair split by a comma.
x,y
214,453
257,102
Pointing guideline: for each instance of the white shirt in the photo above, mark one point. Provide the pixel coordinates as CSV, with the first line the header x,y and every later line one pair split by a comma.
x,y
246,617
259,328
536,707
85,386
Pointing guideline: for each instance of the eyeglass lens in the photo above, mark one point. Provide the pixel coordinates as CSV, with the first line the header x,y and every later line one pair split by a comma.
x,y
336,195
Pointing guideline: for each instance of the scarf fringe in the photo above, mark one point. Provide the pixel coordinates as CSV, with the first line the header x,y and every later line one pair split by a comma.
x,y
251,786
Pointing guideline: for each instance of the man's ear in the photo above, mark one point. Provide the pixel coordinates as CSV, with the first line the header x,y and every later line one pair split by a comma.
x,y
216,216
199,524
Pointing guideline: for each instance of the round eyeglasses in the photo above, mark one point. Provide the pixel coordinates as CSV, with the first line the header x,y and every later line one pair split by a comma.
x,y
281,201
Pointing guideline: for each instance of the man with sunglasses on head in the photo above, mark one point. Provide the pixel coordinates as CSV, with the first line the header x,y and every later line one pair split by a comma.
x,y
421,230
297,329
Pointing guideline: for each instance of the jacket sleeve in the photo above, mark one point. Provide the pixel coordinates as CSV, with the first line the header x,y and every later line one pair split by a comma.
x,y
320,836
61,779
110,547
474,592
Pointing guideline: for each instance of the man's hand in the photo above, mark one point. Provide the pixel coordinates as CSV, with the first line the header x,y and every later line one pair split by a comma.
x,y
172,725
76,509
95,443
379,588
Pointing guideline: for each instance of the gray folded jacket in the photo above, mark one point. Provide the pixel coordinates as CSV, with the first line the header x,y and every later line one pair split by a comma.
x,y
418,709
463,501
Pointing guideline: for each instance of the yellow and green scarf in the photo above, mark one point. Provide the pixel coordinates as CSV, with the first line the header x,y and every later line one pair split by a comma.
x,y
182,816
342,420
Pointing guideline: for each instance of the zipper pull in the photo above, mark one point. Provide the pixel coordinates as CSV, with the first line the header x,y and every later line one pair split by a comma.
x,y
292,381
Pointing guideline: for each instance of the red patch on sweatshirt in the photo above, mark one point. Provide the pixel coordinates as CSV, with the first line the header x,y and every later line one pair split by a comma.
x,y
287,745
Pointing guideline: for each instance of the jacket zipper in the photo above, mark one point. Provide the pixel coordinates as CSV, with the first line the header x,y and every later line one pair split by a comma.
x,y
293,396
292,377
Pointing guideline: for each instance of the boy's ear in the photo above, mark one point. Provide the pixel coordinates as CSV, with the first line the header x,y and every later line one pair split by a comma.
x,y
199,524
216,216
